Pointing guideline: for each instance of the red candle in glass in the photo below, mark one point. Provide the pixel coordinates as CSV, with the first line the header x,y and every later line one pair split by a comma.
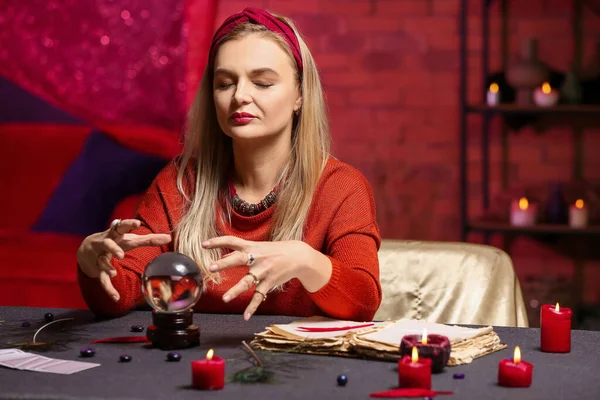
x,y
435,347
555,329
515,372
208,374
414,372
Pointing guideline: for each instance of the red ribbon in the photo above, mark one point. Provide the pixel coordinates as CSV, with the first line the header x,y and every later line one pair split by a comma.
x,y
410,392
335,329
123,339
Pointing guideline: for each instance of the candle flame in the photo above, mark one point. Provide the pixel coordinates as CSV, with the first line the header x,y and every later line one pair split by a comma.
x,y
557,308
579,204
210,354
546,88
517,357
494,88
415,355
523,203
424,337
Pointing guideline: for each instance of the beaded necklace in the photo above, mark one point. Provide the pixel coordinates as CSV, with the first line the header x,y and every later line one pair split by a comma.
x,y
248,209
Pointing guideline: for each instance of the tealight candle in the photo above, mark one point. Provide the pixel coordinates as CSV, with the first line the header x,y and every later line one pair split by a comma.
x,y
578,215
208,374
493,95
515,372
544,96
522,213
414,372
555,329
435,347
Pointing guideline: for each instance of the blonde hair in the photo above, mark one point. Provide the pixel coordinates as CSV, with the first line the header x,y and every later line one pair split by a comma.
x,y
210,153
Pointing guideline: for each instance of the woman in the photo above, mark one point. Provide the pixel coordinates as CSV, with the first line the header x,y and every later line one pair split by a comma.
x,y
276,225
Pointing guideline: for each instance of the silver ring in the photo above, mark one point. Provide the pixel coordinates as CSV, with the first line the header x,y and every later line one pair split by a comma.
x,y
255,280
250,259
114,225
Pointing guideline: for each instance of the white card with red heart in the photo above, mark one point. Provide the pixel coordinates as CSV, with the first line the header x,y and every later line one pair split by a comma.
x,y
18,359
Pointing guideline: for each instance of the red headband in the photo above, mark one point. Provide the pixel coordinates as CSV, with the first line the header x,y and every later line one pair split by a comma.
x,y
260,17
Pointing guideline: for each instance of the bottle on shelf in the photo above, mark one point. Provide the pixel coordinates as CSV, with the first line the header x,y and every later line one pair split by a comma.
x,y
528,73
557,209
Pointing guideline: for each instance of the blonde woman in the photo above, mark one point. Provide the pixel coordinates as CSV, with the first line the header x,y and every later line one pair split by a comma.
x,y
275,223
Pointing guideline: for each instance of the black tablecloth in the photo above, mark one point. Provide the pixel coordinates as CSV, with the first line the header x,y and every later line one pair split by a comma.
x,y
148,376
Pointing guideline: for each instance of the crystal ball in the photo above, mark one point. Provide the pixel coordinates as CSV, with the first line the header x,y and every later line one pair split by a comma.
x,y
172,282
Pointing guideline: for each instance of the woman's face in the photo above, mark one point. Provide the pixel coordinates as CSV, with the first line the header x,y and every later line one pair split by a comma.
x,y
255,89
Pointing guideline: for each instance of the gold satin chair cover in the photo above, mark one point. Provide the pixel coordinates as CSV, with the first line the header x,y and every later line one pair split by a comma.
x,y
451,283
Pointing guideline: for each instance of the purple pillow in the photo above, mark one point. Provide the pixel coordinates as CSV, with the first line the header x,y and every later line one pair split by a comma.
x,y
98,179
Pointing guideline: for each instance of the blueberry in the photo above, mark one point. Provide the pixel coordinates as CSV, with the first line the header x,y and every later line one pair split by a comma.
x,y
459,376
49,317
173,356
137,328
25,324
124,358
87,352
342,380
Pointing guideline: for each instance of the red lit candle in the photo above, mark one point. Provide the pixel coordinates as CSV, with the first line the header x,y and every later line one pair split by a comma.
x,y
208,374
515,372
414,372
555,323
435,347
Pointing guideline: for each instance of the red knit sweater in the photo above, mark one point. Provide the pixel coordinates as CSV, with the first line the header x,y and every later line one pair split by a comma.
x,y
340,223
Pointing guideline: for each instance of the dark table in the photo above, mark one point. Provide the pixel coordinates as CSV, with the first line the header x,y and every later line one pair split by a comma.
x,y
148,376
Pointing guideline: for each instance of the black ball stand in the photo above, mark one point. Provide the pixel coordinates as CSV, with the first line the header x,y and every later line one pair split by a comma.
x,y
173,330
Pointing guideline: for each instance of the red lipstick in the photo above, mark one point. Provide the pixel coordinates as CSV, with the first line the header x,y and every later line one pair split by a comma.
x,y
242,118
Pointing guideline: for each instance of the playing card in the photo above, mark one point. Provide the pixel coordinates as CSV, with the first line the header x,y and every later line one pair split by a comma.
x,y
66,367
7,354
10,351
17,359
14,356
49,365
33,362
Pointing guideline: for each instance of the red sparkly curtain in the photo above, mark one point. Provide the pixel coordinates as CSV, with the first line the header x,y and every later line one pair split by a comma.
x,y
103,61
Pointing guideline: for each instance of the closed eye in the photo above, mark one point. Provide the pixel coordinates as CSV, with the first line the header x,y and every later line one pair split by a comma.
x,y
263,85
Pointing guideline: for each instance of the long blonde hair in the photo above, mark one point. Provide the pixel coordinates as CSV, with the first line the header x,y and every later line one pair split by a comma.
x,y
210,153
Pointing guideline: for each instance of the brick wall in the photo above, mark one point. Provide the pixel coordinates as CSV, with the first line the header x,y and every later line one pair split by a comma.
x,y
390,70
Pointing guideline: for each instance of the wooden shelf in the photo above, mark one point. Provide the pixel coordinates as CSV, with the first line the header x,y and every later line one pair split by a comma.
x,y
539,229
517,109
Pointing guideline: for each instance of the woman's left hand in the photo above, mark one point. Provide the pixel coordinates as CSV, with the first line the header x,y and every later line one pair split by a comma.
x,y
270,264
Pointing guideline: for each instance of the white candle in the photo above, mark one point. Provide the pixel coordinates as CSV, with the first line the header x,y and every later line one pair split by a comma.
x,y
578,215
522,213
493,95
544,96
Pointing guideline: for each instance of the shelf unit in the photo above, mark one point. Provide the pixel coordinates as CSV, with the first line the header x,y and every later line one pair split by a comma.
x,y
487,113
579,242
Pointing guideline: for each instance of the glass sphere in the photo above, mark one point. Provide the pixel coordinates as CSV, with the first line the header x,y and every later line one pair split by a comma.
x,y
172,282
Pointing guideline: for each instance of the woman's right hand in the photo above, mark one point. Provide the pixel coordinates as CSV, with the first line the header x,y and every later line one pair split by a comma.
x,y
96,250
